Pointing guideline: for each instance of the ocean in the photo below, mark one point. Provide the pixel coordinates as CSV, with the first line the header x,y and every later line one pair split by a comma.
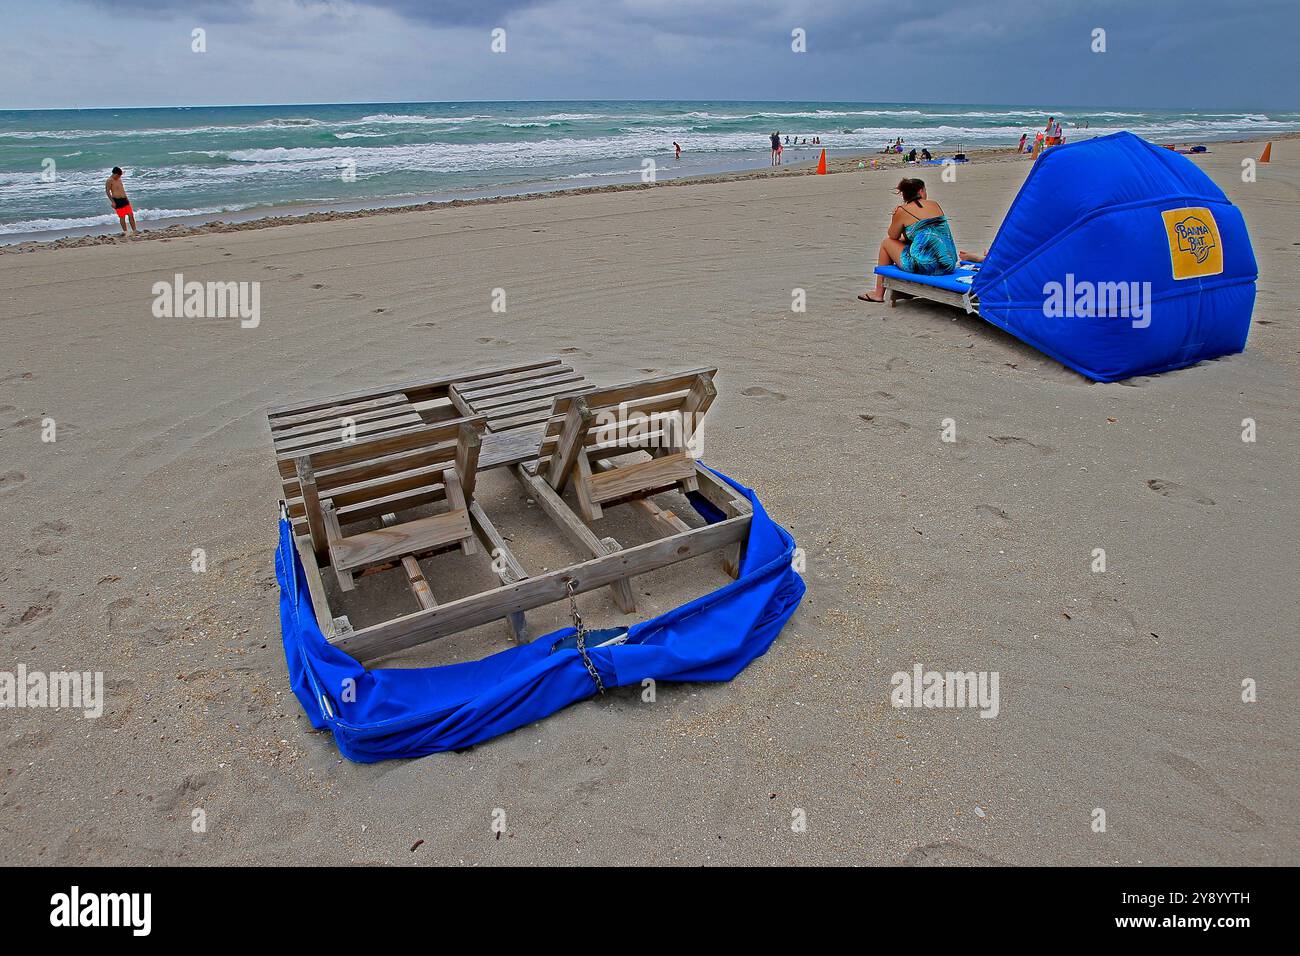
x,y
239,162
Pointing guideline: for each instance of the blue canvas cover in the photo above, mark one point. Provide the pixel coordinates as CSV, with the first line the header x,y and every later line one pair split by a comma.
x,y
410,712
1118,209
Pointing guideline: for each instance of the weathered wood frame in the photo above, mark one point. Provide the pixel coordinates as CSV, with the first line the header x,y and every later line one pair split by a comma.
x,y
609,563
896,288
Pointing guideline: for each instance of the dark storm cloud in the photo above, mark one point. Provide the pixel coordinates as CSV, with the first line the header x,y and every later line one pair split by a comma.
x,y
1192,53
448,13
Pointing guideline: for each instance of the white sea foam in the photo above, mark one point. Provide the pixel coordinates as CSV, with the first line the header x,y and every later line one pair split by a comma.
x,y
82,222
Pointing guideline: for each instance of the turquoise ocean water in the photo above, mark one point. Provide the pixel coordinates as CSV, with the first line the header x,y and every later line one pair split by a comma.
x,y
246,161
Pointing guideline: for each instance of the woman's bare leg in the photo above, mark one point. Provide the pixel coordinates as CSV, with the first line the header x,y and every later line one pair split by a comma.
x,y
890,250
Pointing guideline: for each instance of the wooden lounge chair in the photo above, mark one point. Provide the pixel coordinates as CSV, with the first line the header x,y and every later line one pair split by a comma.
x,y
341,483
545,423
954,289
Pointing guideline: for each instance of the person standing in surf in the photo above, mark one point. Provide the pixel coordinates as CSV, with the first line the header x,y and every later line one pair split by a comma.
x,y
116,193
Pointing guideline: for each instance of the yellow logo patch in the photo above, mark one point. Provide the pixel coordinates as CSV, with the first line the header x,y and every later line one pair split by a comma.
x,y
1194,247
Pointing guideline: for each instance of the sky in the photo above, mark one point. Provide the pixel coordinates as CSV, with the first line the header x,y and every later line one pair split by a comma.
x,y
1192,54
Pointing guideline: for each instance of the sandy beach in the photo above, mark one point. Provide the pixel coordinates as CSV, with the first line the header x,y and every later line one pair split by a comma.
x,y
1119,690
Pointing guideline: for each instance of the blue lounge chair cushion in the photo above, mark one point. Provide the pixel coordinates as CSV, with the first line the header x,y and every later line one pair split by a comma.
x,y
959,281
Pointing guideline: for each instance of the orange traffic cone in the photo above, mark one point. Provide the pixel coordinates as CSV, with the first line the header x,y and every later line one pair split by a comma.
x,y
1268,150
821,164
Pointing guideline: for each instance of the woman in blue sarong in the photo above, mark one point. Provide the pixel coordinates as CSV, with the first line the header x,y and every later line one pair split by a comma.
x,y
919,239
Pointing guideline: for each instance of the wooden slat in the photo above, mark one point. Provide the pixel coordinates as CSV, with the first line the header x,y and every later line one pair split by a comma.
x,y
470,387
333,432
469,445
386,486
486,390
578,533
337,454
414,573
646,388
498,403
417,390
667,521
365,423
508,448
384,403
422,626
576,423
320,604
505,564
386,465
648,407
403,501
311,507
410,537
642,478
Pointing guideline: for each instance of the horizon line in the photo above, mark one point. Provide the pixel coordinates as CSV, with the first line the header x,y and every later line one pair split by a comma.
x,y
223,106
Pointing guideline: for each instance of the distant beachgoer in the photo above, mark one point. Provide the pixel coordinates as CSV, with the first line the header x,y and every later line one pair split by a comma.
x,y
1021,147
911,156
776,146
925,155
919,240
116,193
1048,128
678,146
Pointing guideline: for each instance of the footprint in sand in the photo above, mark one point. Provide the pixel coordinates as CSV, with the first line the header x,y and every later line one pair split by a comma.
x,y
886,425
17,377
11,480
188,790
297,275
575,351
757,391
318,285
41,606
1015,441
1171,489
989,511
896,363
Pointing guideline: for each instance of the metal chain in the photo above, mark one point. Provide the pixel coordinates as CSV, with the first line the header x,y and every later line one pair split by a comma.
x,y
582,637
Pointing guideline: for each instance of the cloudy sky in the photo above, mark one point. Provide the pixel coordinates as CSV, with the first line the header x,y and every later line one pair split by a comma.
x,y
1231,54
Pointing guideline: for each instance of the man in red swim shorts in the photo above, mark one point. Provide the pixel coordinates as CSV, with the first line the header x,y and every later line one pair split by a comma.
x,y
121,205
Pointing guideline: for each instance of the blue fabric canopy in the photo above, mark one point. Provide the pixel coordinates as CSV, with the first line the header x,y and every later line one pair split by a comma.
x,y
1120,258
409,712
